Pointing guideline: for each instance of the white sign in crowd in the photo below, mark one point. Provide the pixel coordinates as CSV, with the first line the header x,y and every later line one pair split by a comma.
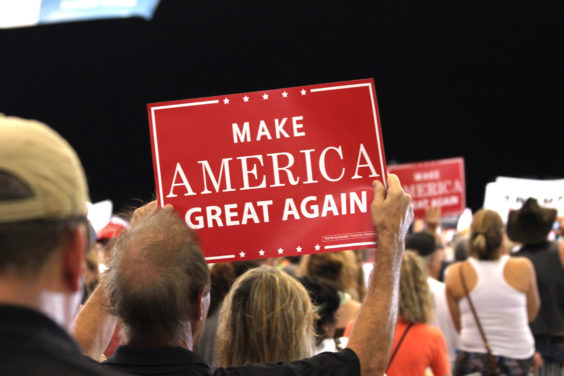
x,y
506,194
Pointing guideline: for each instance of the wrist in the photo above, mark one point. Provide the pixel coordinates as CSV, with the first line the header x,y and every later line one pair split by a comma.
x,y
389,248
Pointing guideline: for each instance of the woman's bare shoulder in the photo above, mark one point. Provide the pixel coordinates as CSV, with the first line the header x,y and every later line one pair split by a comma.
x,y
521,263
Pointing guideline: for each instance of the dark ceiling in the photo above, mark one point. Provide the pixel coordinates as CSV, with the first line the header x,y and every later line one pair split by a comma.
x,y
481,81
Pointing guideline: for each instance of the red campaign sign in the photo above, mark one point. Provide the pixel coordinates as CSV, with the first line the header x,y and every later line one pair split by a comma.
x,y
272,173
438,184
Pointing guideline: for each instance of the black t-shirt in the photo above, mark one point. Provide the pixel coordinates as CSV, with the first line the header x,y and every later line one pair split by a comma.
x,y
170,361
176,361
550,280
342,363
33,344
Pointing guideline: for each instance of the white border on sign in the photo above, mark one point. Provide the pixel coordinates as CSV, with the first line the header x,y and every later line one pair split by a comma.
x,y
212,258
216,101
457,160
348,245
376,125
153,109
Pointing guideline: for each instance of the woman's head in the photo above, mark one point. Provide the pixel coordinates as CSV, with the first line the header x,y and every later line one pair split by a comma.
x,y
486,235
415,298
341,267
266,317
223,275
324,295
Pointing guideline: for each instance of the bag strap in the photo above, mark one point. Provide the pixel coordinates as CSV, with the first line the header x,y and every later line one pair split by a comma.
x,y
398,345
480,328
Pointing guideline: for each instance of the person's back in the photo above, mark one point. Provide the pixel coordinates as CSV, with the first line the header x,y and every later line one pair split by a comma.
x,y
530,226
340,268
32,344
425,245
550,279
266,317
422,348
43,236
502,311
222,277
158,284
442,318
504,293
177,326
417,345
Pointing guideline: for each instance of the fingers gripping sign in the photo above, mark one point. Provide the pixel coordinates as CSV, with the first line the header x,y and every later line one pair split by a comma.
x,y
392,211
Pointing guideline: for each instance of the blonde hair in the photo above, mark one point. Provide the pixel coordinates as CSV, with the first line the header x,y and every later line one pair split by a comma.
x,y
486,234
266,317
343,267
416,303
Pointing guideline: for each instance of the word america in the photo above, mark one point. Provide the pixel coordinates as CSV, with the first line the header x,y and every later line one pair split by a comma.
x,y
279,163
253,179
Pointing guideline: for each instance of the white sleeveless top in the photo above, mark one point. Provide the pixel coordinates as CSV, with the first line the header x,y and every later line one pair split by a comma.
x,y
502,311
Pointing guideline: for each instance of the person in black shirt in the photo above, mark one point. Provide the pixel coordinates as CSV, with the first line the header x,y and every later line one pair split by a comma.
x,y
43,238
530,226
158,285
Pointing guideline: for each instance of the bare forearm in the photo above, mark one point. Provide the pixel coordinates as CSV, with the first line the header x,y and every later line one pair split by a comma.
x,y
94,326
373,334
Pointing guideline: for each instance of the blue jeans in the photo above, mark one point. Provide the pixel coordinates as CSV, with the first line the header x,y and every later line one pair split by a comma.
x,y
551,348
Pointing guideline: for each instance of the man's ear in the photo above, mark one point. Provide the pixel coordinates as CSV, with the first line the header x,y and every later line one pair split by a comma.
x,y
73,251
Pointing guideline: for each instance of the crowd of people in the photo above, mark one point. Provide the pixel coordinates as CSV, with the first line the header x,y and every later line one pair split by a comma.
x,y
138,297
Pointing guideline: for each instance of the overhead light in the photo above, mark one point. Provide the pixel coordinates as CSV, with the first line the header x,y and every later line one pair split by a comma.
x,y
22,13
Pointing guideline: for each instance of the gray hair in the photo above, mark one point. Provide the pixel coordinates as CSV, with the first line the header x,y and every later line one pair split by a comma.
x,y
156,273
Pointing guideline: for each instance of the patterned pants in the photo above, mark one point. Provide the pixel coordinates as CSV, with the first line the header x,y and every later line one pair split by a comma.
x,y
471,363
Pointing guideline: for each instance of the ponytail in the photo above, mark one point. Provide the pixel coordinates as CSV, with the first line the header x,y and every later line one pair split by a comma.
x,y
486,234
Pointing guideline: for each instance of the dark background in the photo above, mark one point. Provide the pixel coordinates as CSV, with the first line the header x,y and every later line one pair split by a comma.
x,y
481,81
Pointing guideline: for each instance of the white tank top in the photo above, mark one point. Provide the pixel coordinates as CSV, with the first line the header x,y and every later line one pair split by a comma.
x,y
502,311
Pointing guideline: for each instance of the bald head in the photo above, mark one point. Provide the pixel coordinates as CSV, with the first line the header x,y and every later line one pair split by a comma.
x,y
157,273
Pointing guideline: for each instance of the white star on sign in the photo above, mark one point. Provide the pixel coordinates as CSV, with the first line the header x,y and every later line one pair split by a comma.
x,y
303,92
284,95
265,96
226,101
245,99
280,251
299,249
317,247
242,254
261,252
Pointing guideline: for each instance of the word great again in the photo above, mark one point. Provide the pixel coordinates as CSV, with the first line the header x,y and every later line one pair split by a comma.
x,y
235,214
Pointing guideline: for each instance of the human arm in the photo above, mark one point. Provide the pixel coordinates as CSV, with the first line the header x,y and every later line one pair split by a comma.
x,y
538,362
373,333
94,325
433,221
451,297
